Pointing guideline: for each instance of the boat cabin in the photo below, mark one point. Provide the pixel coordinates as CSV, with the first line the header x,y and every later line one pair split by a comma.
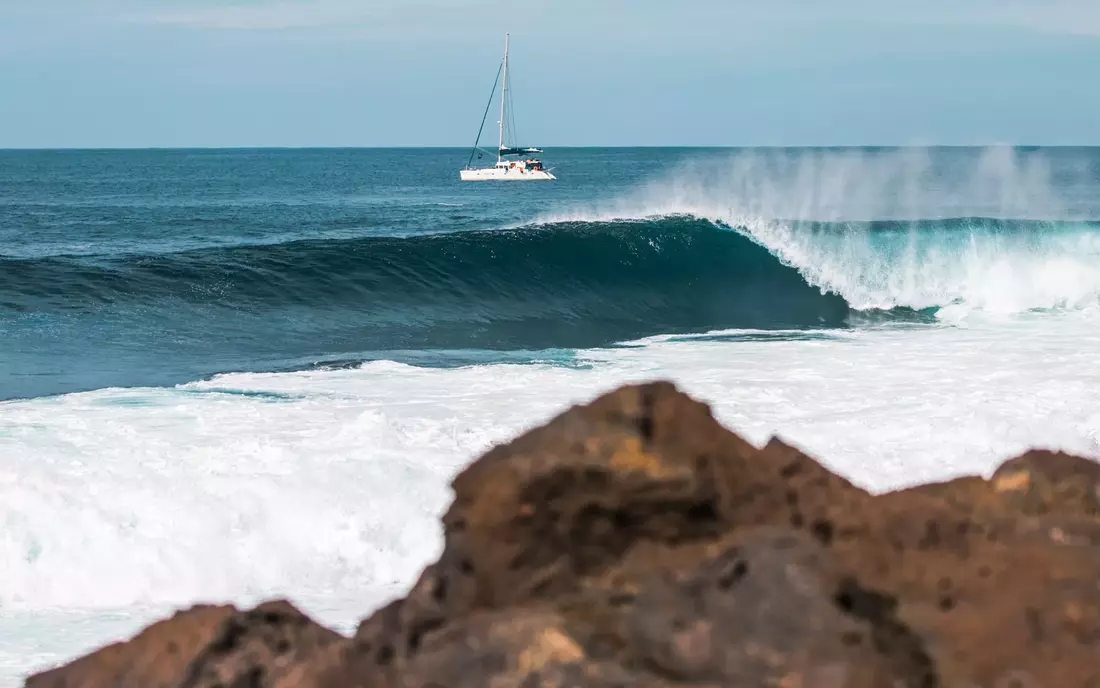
x,y
532,164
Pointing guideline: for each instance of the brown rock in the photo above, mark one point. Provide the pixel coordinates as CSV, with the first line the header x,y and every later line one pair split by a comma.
x,y
509,649
774,609
1003,582
158,657
272,645
533,517
1044,482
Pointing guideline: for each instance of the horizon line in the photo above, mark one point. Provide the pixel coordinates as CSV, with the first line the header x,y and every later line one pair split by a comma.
x,y
7,149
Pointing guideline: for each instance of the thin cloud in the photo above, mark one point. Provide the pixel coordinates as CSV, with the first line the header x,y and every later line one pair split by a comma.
x,y
299,14
284,15
1061,17
1067,17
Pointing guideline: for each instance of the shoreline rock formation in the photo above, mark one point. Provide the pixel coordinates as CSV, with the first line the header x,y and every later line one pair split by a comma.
x,y
635,541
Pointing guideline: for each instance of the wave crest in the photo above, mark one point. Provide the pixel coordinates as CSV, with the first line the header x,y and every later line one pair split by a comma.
x,y
980,264
997,229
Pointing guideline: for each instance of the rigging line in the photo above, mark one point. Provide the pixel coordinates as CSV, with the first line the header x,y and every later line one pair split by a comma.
x,y
493,93
512,115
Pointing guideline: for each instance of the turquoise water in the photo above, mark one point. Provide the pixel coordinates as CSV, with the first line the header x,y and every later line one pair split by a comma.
x,y
124,268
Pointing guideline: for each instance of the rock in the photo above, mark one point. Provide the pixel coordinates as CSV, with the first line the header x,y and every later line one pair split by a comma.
x,y
158,657
206,646
502,648
1044,482
272,645
773,608
634,541
561,502
766,607
973,590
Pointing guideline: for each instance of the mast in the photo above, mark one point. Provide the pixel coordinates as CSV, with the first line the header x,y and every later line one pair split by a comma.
x,y
503,98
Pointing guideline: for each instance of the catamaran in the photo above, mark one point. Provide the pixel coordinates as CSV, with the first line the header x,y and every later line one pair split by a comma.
x,y
521,169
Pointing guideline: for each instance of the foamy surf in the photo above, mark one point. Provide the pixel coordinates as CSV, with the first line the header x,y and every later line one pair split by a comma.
x,y
324,486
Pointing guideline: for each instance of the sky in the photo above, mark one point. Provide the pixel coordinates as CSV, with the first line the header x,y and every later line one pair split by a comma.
x,y
218,73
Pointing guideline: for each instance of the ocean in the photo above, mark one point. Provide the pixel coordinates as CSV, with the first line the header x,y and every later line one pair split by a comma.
x,y
231,375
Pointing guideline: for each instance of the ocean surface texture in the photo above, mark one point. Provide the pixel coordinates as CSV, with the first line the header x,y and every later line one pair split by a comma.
x,y
232,375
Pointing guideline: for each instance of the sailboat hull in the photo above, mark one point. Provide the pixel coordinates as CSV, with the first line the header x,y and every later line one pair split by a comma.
x,y
504,174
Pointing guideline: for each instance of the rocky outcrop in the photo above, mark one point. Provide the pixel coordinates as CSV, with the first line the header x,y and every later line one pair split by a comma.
x,y
634,541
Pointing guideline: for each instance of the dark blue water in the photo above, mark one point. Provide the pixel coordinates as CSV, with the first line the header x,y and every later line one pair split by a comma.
x,y
122,268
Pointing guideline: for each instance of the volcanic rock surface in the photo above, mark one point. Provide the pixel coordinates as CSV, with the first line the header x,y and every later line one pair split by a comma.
x,y
634,541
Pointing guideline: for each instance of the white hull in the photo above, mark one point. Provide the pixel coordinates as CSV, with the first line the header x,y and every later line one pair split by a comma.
x,y
504,174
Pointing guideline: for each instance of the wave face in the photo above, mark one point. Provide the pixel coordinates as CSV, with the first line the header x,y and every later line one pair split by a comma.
x,y
571,284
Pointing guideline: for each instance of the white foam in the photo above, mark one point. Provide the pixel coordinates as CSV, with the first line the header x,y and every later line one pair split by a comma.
x,y
975,268
326,486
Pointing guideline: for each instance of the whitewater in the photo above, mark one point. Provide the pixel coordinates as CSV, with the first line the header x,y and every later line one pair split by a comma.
x,y
901,318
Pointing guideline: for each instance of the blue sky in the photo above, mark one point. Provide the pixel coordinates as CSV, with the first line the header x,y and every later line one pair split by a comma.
x,y
133,73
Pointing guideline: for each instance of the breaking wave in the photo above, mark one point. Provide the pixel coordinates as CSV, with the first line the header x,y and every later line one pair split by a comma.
x,y
582,282
570,284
